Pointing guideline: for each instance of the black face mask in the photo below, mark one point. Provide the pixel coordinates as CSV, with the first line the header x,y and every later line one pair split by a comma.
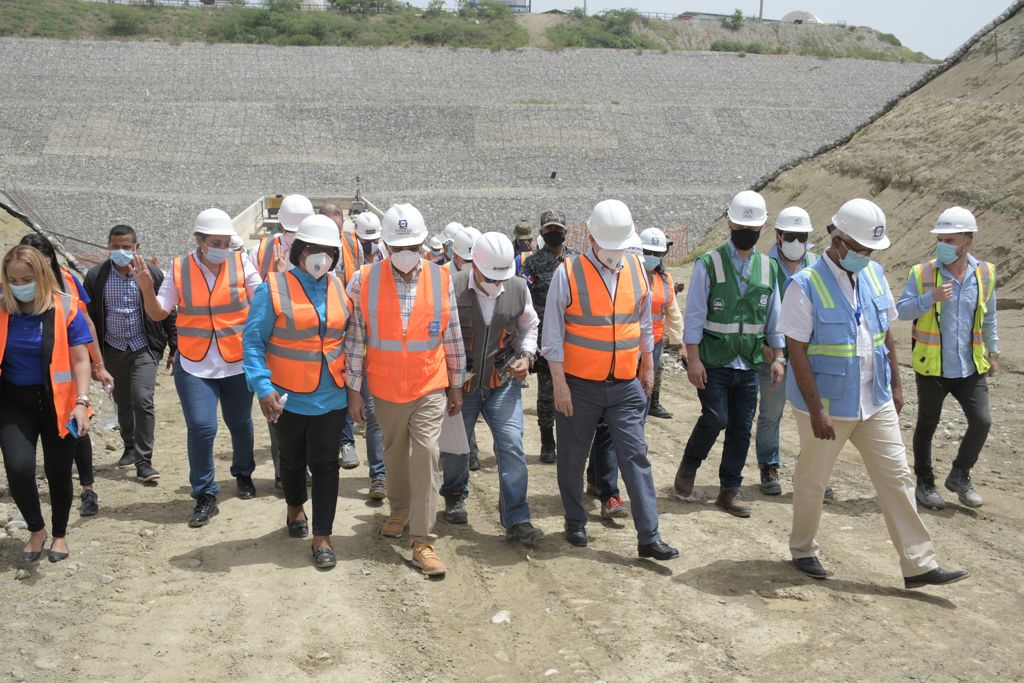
x,y
745,238
554,238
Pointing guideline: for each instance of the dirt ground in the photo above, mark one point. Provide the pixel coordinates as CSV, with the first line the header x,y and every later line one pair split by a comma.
x,y
144,597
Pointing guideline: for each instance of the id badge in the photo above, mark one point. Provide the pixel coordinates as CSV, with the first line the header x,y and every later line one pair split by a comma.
x,y
434,328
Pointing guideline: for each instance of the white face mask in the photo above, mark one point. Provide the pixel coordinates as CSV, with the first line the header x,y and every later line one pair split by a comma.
x,y
794,250
490,289
317,264
405,261
612,258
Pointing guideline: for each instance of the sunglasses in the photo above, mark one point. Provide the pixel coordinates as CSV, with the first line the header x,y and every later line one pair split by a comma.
x,y
795,237
856,248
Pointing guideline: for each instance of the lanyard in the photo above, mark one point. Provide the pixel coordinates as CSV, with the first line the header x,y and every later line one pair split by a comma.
x,y
857,311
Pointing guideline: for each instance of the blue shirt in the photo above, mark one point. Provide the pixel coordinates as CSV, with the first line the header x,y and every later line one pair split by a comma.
x,y
260,324
956,324
697,305
123,303
23,357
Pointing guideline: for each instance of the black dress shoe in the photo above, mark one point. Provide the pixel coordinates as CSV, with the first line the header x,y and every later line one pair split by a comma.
x,y
936,577
27,556
298,528
206,507
659,550
246,489
324,558
576,535
810,566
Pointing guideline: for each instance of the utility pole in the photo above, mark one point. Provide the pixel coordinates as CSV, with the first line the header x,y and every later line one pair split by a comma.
x,y
760,13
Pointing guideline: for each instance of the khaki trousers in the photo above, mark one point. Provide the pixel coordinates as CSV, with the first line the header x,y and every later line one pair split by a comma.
x,y
881,448
411,456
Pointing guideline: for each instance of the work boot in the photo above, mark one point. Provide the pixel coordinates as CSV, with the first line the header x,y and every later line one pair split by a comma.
x,y
524,532
732,502
426,560
547,445
959,482
770,483
128,459
206,507
928,496
455,510
655,409
394,525
685,476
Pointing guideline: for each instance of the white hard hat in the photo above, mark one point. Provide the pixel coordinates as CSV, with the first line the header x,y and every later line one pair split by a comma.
x,y
214,222
318,229
793,219
611,224
748,208
464,241
294,209
403,226
634,245
494,256
654,240
368,225
954,220
864,222
451,230
435,243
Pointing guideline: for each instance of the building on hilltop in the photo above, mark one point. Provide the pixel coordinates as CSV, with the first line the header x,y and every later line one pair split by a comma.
x,y
800,17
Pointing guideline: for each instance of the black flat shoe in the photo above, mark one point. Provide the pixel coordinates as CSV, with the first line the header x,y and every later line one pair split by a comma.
x,y
810,566
27,556
55,556
936,577
324,558
659,550
298,528
576,535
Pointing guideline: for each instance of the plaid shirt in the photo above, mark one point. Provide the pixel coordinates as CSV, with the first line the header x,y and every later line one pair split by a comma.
x,y
355,333
124,330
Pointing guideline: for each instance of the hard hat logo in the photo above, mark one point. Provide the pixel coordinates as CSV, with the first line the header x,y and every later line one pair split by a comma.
x,y
748,213
403,224
879,231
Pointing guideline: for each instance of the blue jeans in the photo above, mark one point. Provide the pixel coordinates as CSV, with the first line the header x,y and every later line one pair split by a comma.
x,y
347,432
658,348
374,436
769,415
199,399
603,466
727,401
502,409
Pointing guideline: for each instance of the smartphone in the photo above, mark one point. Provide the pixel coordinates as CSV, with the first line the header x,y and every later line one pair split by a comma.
x,y
73,428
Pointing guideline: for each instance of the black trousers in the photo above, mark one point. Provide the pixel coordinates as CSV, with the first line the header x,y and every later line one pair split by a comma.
x,y
311,441
26,417
972,394
83,461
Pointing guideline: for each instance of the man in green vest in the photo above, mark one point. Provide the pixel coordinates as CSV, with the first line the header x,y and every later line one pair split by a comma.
x,y
952,301
732,307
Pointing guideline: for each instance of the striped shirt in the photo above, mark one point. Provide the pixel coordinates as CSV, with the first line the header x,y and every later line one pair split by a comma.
x,y
124,325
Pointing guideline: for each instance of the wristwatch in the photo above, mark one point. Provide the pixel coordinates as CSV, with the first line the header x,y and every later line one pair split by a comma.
x,y
83,400
781,361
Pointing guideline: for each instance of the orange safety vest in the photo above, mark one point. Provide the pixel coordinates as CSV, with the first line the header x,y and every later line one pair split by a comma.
x,y
62,382
265,254
71,288
204,315
404,365
296,351
602,337
661,298
351,255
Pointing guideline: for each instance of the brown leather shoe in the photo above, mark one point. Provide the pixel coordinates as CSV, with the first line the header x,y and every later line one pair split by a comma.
x,y
732,502
685,476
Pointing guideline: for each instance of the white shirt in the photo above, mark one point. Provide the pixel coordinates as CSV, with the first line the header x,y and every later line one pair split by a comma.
x,y
797,322
527,323
213,366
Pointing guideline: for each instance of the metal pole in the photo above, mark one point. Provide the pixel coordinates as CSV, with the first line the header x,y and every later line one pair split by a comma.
x,y
760,14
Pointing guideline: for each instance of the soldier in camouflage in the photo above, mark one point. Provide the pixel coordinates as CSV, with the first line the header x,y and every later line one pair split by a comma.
x,y
537,270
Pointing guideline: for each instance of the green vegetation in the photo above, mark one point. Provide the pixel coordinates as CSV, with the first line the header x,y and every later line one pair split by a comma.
x,y
733,22
612,28
746,48
889,38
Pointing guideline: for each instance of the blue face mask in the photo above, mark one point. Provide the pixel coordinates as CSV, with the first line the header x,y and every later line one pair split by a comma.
x,y
945,253
854,262
214,255
24,293
651,262
121,257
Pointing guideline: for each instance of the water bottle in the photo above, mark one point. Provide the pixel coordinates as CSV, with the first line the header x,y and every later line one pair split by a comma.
x,y
107,409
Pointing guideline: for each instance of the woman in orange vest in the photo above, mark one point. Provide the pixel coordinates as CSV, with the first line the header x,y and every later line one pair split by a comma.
x,y
44,392
295,363
211,289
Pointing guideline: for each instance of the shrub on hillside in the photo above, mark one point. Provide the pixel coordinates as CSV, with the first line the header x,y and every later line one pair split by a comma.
x,y
611,29
733,22
125,21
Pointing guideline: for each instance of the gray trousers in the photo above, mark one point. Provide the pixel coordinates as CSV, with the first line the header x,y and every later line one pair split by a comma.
x,y
134,374
623,405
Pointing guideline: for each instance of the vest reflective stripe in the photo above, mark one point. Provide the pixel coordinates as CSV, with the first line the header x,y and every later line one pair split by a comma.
x,y
351,255
661,298
602,336
404,365
764,279
62,385
926,334
265,254
832,351
734,325
205,315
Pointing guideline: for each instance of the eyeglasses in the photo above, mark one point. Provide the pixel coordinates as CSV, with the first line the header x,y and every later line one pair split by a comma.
x,y
411,247
795,237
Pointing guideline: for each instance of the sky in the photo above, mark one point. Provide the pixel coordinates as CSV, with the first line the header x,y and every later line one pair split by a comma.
x,y
935,27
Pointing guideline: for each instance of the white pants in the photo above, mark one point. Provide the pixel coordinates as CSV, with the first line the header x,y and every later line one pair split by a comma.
x,y
881,447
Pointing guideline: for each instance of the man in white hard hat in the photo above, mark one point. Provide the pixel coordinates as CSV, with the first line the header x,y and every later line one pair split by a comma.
x,y
434,251
666,319
731,312
404,340
952,301
597,340
368,232
462,247
449,232
271,255
499,330
790,254
844,385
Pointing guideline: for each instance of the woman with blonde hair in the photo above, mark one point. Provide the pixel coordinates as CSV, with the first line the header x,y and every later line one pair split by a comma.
x,y
44,392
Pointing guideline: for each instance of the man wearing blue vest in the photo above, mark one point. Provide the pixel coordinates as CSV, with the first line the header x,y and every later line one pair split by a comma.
x,y
845,386
952,301
731,311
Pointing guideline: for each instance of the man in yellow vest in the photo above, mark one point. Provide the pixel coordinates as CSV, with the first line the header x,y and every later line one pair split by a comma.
x,y
952,301
404,339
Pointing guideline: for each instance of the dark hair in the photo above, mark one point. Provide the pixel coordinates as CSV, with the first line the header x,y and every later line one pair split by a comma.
x,y
120,230
297,247
45,247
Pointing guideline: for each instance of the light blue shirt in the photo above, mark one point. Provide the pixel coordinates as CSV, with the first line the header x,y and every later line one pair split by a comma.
x,y
697,305
260,323
956,324
784,270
